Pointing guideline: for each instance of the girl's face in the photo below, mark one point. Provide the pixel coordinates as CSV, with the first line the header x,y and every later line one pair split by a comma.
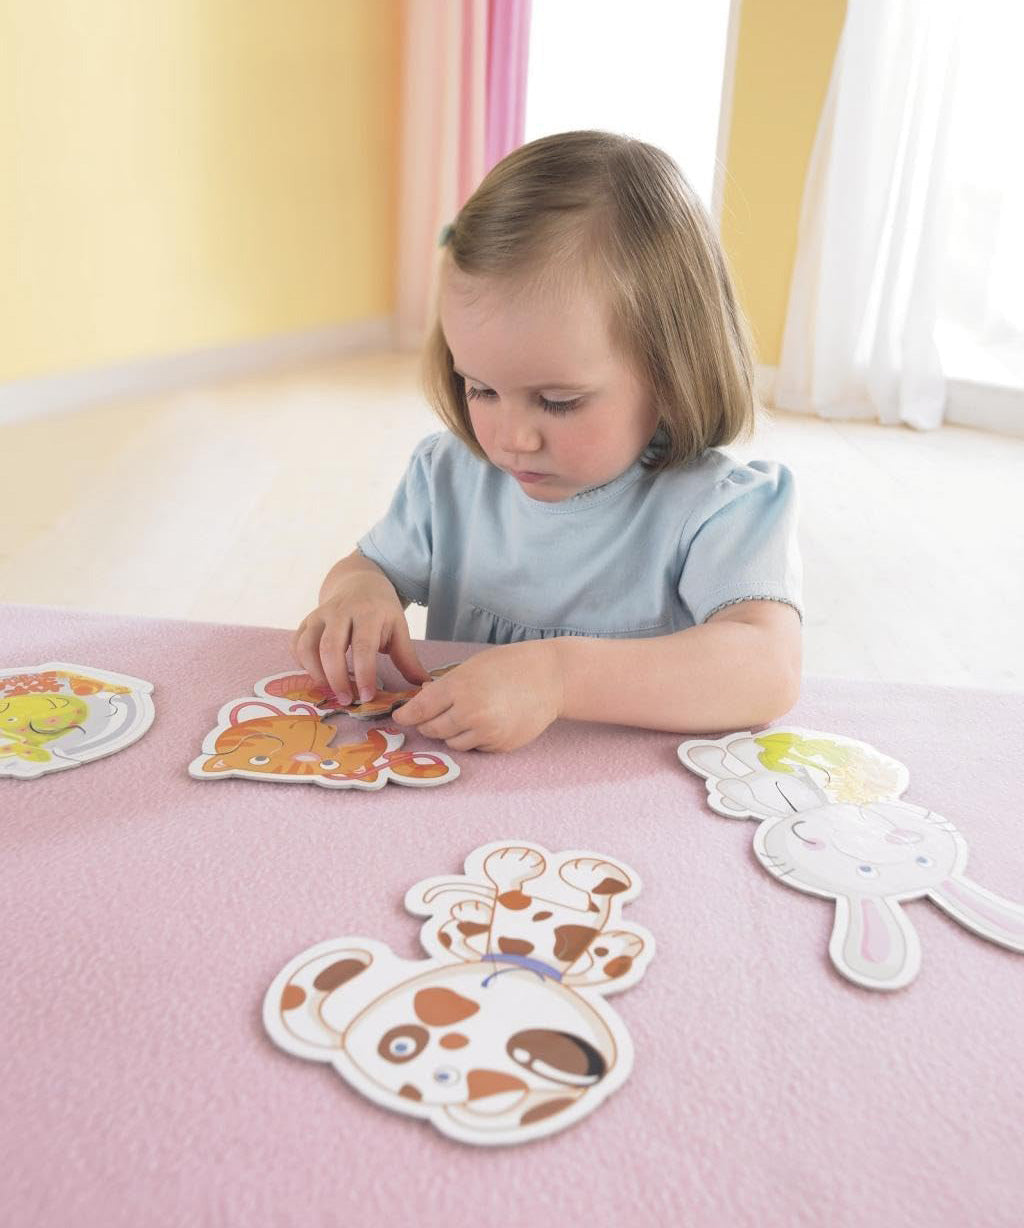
x,y
550,400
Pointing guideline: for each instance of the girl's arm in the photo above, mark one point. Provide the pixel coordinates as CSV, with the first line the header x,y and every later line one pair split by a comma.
x,y
740,668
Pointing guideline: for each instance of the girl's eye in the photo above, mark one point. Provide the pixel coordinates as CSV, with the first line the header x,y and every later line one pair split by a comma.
x,y
446,1075
472,393
559,407
259,760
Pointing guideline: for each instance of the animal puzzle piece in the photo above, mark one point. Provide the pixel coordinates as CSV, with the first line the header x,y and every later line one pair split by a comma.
x,y
301,687
502,1033
832,824
265,739
57,716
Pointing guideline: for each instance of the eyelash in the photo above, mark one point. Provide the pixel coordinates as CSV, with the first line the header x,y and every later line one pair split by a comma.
x,y
550,407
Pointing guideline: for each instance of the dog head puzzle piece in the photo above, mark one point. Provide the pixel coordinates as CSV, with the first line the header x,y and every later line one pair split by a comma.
x,y
301,687
267,739
501,1034
832,824
57,716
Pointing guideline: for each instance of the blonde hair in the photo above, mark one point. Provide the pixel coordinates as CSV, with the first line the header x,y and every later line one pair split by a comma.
x,y
623,210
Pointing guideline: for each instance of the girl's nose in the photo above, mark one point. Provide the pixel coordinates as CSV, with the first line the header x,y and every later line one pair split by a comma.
x,y
518,434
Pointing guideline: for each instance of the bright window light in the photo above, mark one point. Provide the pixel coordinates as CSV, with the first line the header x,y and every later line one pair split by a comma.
x,y
650,69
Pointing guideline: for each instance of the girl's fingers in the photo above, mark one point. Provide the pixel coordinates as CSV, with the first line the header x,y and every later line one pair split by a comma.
x,y
365,646
401,651
447,725
469,740
434,699
333,659
306,649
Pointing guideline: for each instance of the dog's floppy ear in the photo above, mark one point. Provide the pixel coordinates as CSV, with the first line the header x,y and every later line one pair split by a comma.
x,y
293,1008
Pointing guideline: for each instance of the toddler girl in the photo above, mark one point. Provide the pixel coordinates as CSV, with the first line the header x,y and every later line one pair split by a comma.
x,y
588,360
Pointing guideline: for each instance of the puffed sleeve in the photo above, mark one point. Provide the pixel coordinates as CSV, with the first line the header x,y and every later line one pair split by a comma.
x,y
401,543
742,545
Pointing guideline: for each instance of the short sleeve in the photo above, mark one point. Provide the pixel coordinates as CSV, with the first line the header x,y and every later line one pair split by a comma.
x,y
743,545
401,544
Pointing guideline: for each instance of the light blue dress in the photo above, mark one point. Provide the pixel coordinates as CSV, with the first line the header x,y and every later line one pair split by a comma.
x,y
643,555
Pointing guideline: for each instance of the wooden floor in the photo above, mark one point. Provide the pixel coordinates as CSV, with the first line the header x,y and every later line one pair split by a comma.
x,y
229,503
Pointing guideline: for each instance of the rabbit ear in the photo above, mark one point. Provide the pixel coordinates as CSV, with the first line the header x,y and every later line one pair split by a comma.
x,y
982,911
873,943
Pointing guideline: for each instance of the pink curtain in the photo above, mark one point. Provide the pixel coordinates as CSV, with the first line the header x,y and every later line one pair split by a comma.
x,y
463,109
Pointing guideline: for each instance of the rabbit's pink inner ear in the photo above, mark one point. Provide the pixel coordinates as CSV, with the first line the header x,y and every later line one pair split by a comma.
x,y
875,939
1009,918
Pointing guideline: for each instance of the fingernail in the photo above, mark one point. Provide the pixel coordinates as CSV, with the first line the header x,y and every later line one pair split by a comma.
x,y
365,696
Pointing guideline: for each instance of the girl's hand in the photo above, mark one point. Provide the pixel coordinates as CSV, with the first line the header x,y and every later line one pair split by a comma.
x,y
360,609
498,700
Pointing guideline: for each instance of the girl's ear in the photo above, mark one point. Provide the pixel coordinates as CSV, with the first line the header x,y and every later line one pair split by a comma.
x,y
982,911
873,942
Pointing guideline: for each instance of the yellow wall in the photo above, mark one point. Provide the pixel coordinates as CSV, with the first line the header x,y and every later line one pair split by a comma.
x,y
177,174
783,62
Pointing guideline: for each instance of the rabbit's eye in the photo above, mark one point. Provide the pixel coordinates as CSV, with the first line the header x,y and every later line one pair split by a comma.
x,y
260,760
924,861
329,765
866,871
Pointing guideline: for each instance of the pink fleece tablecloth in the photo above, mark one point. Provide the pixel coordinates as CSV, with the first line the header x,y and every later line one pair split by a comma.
x,y
145,914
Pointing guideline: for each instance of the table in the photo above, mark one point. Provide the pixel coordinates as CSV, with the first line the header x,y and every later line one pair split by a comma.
x,y
145,915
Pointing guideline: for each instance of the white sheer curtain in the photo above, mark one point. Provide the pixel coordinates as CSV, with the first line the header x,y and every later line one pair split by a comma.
x,y
860,329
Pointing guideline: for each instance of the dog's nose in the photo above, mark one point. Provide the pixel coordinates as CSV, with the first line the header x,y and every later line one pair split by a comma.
x,y
490,1082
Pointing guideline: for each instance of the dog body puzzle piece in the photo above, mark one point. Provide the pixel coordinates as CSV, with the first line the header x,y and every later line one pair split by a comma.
x,y
501,1034
831,823
275,740
301,687
57,716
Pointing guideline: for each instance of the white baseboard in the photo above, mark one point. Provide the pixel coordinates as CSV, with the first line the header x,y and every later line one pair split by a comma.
x,y
51,394
984,407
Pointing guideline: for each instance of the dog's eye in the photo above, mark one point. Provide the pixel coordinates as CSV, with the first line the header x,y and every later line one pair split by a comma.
x,y
260,760
924,861
329,765
867,871
403,1043
446,1075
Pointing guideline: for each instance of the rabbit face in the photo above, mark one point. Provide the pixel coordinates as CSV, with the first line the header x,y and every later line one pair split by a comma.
x,y
881,850
495,1048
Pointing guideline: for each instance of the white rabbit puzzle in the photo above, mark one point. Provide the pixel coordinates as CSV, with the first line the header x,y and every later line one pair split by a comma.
x,y
831,823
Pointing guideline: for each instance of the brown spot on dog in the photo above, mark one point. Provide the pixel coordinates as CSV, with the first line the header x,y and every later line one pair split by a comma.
x,y
572,940
480,1083
409,1092
291,997
609,886
514,900
542,915
444,939
600,950
540,1111
469,928
338,973
442,1007
514,946
453,1040
618,966
594,907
